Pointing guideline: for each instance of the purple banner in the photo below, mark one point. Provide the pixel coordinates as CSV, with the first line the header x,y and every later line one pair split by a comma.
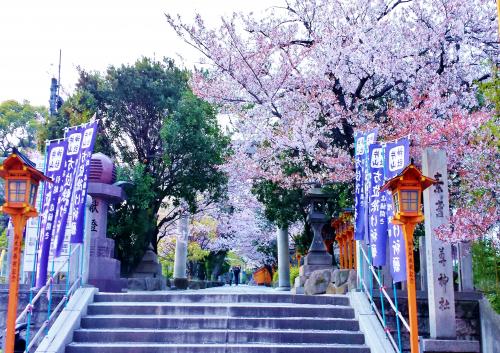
x,y
397,157
74,137
361,143
377,210
56,153
80,185
370,138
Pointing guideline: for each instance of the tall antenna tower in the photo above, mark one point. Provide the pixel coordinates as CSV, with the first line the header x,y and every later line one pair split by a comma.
x,y
55,101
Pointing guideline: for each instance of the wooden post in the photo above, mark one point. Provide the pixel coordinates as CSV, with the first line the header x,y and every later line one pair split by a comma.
x,y
346,252
355,250
19,221
341,251
408,229
349,252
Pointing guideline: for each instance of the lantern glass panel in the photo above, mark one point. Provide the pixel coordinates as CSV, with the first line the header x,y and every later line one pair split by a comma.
x,y
17,190
409,200
33,194
395,201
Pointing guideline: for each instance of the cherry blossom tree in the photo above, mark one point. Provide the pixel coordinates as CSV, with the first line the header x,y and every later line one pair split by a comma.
x,y
299,80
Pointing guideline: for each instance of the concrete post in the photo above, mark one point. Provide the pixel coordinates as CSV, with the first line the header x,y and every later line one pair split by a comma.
x,y
283,260
423,264
86,241
465,267
181,248
439,258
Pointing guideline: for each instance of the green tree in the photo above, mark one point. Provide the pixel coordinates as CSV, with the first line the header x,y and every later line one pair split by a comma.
x,y
167,140
284,206
486,268
3,239
18,124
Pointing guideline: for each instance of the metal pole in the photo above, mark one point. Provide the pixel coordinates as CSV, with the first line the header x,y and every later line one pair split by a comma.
x,y
19,221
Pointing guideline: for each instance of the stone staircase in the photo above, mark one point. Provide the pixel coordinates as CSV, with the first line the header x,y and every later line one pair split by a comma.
x,y
217,323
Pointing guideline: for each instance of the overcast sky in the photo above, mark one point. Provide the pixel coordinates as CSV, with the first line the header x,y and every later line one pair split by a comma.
x,y
93,34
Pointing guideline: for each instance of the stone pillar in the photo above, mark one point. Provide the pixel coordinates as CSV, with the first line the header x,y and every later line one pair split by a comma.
x,y
102,249
104,269
465,267
423,264
283,260
86,242
439,258
181,248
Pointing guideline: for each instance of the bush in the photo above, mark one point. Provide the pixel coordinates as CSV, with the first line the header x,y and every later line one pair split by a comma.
x,y
486,263
276,278
294,273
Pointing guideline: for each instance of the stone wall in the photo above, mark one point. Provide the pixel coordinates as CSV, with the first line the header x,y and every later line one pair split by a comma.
x,y
490,328
40,310
466,313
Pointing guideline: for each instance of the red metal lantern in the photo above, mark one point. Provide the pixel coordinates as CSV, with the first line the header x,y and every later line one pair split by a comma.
x,y
406,189
21,185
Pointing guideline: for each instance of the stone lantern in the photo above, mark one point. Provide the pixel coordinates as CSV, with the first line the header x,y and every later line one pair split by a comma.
x,y
318,254
104,269
317,257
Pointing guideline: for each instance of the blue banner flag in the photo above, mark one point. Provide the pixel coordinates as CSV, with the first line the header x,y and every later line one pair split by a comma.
x,y
74,137
397,157
377,209
361,143
79,193
56,153
80,146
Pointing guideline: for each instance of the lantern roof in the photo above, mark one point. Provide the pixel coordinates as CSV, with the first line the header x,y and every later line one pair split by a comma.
x,y
18,160
411,172
316,193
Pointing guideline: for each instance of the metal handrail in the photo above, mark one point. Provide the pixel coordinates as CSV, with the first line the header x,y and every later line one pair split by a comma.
x,y
369,294
391,303
44,288
377,312
63,301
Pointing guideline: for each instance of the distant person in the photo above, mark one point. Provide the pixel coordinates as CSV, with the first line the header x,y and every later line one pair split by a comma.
x,y
237,275
231,276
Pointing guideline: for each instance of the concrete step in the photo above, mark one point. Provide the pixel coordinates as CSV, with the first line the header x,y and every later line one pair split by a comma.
x,y
222,298
231,310
218,336
217,322
213,348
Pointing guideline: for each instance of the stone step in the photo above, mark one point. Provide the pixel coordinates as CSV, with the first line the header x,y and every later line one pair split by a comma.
x,y
222,298
231,310
213,348
217,322
217,336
